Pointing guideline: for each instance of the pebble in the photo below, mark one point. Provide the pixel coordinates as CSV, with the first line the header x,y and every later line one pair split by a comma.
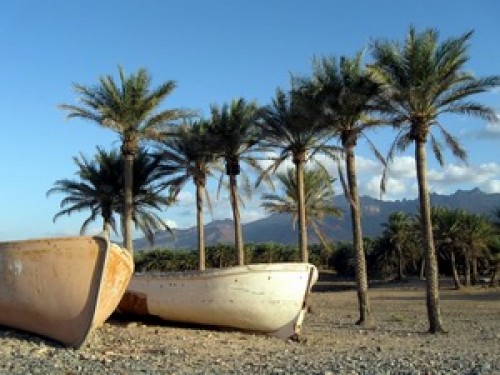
x,y
332,344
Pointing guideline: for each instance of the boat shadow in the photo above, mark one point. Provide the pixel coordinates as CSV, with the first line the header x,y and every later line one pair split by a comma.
x,y
120,319
28,337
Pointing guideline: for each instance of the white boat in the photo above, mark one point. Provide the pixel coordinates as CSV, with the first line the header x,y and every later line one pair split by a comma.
x,y
267,298
62,288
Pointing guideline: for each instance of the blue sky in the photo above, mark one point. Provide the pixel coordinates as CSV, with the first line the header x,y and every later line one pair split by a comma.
x,y
215,51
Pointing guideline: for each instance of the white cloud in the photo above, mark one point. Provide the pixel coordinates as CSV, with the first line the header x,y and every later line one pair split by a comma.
x,y
492,186
364,165
252,215
327,162
371,188
401,184
450,174
185,198
456,174
401,179
395,189
491,130
171,223
402,167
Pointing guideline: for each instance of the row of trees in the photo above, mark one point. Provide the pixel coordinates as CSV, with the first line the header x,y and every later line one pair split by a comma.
x,y
407,86
467,244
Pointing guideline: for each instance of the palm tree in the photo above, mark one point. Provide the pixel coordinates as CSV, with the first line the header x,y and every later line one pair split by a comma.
x,y
447,225
494,246
188,155
146,193
130,109
425,79
399,231
496,217
233,129
290,124
494,259
476,233
94,190
318,199
347,92
99,188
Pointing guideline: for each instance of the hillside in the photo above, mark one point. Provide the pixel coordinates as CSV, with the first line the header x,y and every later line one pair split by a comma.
x,y
278,228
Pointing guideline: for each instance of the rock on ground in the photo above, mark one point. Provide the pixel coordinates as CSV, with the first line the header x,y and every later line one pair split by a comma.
x,y
330,342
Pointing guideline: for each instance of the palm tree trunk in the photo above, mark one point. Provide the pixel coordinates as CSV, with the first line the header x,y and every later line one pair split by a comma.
x,y
106,227
475,276
400,263
106,216
467,271
365,317
238,236
299,162
200,191
494,274
456,278
128,203
431,266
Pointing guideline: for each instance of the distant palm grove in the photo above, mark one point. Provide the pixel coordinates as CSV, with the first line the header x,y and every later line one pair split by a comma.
x,y
407,85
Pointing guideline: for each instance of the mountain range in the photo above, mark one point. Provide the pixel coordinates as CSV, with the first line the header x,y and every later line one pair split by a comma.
x,y
278,227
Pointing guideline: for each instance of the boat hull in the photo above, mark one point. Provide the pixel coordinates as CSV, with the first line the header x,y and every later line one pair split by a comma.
x,y
268,298
61,288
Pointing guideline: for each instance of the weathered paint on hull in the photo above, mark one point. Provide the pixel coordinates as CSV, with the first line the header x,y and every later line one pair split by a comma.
x,y
268,298
61,288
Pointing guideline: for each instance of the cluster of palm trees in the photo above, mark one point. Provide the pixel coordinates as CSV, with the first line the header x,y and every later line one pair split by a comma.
x,y
466,241
407,86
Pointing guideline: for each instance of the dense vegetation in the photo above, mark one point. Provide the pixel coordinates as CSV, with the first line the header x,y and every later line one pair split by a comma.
x,y
470,256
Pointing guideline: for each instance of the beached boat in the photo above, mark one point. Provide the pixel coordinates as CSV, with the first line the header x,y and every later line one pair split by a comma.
x,y
61,288
267,298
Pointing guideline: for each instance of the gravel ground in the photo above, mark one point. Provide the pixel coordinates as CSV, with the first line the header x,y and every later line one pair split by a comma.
x,y
330,343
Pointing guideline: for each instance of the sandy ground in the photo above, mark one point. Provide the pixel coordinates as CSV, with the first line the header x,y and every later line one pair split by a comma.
x,y
330,342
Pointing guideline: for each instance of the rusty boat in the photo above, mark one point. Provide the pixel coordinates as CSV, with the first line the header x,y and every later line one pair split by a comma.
x,y
62,288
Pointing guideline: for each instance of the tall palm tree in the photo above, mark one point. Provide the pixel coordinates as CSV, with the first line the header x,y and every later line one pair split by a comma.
x,y
233,128
99,189
187,154
347,92
425,79
130,108
290,124
318,199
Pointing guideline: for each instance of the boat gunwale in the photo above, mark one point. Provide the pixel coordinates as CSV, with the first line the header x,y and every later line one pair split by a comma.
x,y
47,239
229,271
